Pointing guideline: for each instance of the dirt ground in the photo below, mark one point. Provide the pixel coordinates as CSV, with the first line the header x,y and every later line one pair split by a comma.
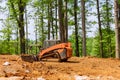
x,y
13,67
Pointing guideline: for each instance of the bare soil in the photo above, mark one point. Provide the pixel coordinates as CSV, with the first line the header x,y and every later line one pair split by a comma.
x,y
85,68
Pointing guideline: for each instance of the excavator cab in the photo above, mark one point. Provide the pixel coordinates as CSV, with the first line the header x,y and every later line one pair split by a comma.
x,y
55,49
49,43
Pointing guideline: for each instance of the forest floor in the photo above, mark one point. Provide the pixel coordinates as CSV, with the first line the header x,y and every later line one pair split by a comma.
x,y
13,67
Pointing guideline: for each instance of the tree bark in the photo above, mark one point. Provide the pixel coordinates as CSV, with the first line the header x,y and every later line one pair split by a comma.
x,y
42,23
66,22
48,21
100,31
56,26
17,43
83,28
20,21
61,19
108,28
76,29
36,35
117,27
52,25
21,6
26,29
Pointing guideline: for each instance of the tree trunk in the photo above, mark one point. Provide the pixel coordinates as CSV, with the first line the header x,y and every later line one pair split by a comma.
x,y
100,31
16,18
56,26
26,30
108,28
17,43
117,27
52,26
48,21
21,26
8,39
61,19
42,23
76,29
20,22
66,22
83,28
8,35
36,38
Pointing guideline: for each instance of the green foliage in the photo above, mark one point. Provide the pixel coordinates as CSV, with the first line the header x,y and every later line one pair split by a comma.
x,y
119,1
95,49
89,45
9,39
72,40
108,48
8,45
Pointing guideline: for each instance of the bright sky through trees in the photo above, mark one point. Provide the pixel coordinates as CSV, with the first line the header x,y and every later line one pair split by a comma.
x,y
31,24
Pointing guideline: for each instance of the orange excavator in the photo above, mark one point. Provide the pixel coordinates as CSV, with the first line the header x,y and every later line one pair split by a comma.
x,y
55,49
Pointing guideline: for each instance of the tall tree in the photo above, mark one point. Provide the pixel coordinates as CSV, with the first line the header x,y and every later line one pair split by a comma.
x,y
56,12
48,21
7,32
117,27
76,29
26,20
83,28
36,35
108,26
100,31
20,21
61,19
42,21
51,19
21,6
66,21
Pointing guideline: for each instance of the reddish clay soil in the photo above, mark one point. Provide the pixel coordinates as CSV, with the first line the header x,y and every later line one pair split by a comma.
x,y
85,68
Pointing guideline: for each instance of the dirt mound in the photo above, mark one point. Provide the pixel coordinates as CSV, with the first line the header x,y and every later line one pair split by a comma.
x,y
25,68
